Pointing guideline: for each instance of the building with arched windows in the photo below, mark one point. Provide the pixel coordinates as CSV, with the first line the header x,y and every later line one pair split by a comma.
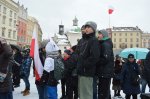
x,y
146,40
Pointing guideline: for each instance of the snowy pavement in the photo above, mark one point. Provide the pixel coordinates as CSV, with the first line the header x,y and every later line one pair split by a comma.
x,y
33,91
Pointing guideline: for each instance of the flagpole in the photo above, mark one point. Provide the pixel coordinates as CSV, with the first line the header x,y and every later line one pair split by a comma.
x,y
109,20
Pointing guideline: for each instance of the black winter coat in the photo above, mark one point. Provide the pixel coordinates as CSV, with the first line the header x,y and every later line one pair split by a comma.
x,y
88,52
6,67
105,65
146,71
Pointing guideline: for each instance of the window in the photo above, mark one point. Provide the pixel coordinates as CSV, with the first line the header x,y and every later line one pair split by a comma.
x,y
130,34
14,23
120,46
10,13
10,22
125,39
114,45
15,16
3,32
14,34
120,34
131,45
125,34
4,10
9,33
137,45
0,8
4,19
120,40
137,40
114,34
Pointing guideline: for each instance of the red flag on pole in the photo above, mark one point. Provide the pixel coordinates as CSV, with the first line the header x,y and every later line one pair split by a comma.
x,y
34,53
110,10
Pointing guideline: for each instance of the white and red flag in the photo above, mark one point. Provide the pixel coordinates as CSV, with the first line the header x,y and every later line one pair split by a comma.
x,y
110,10
34,53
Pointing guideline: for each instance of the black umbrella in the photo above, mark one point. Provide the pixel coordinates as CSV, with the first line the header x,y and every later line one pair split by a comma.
x,y
13,46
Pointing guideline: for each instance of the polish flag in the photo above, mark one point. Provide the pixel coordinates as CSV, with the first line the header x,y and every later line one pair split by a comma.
x,y
34,53
110,10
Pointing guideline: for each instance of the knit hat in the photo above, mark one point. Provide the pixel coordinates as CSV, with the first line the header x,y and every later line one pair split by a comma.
x,y
104,33
74,47
130,56
93,25
67,52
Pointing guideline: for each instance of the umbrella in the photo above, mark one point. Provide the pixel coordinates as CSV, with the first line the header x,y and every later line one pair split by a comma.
x,y
139,53
13,46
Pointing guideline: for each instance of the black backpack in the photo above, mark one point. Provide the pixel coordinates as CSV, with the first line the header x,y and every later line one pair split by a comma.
x,y
58,68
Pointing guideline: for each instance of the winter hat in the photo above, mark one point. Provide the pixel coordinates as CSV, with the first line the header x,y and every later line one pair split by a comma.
x,y
93,25
51,46
74,47
67,52
44,43
104,33
130,56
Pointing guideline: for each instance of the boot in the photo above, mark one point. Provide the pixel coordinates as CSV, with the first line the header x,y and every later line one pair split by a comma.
x,y
23,91
27,92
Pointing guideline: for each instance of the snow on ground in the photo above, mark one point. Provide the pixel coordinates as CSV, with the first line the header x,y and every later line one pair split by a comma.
x,y
33,91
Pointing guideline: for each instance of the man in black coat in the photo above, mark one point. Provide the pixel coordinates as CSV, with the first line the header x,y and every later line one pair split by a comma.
x,y
105,65
88,51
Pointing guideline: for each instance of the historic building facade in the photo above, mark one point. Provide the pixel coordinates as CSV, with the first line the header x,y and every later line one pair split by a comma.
x,y
126,37
146,40
22,26
8,20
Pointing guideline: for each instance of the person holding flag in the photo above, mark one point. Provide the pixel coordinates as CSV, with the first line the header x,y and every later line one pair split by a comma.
x,y
38,62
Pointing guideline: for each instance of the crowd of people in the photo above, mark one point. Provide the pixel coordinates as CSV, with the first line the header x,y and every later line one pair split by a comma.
x,y
89,68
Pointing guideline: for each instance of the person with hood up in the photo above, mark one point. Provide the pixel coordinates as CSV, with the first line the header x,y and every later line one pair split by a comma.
x,y
130,77
48,73
88,52
105,65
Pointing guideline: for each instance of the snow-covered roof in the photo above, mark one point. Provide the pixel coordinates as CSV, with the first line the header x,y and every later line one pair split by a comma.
x,y
61,36
125,29
63,42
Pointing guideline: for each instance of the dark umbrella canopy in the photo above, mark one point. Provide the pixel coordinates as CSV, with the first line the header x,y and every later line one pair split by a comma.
x,y
13,46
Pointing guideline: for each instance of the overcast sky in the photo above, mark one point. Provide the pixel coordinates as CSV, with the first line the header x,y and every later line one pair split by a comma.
x,y
50,13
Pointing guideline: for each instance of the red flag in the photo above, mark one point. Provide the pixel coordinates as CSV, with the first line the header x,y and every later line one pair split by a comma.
x,y
34,53
110,10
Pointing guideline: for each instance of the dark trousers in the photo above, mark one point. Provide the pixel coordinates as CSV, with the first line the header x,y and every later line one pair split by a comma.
x,y
41,92
16,75
72,88
134,96
104,88
27,83
95,88
63,87
7,95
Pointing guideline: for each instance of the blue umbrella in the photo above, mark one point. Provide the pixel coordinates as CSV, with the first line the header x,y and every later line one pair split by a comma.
x,y
139,53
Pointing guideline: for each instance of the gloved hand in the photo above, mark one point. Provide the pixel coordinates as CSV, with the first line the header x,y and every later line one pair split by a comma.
x,y
44,78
